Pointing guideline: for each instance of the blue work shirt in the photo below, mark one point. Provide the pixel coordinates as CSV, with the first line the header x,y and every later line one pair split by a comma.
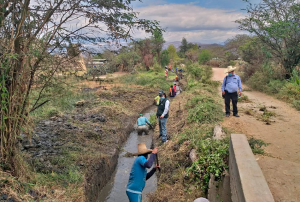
x,y
142,121
233,83
137,178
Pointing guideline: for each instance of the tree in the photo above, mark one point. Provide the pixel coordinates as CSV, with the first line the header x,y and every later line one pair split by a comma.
x,y
145,48
33,50
157,43
253,51
172,52
234,43
204,56
276,24
165,58
184,46
192,55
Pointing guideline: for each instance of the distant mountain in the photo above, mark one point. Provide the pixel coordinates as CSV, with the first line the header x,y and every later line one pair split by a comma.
x,y
178,43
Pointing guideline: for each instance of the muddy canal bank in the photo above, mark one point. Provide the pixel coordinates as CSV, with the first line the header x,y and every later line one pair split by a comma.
x,y
78,151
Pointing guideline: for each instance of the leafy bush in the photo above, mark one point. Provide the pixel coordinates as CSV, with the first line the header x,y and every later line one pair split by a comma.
x,y
149,78
274,86
204,56
296,104
204,109
200,72
213,159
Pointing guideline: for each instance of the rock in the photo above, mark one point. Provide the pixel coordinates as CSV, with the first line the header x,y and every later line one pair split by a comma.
x,y
47,123
80,103
193,155
101,119
218,133
33,193
3,197
60,120
11,200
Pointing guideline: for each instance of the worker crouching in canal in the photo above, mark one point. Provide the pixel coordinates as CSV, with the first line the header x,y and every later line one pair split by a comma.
x,y
138,174
142,125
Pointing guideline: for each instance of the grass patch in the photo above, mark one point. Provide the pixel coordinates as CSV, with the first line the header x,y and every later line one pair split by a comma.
x,y
244,98
204,109
153,120
257,145
61,103
155,80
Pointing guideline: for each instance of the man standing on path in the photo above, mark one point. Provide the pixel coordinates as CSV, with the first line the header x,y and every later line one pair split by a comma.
x,y
142,125
162,114
138,174
231,84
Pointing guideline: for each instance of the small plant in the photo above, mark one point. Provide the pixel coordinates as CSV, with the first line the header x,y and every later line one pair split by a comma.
x,y
153,120
244,98
213,159
249,112
256,145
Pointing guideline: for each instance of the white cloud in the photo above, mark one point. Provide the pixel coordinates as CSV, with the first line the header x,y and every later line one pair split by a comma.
x,y
196,23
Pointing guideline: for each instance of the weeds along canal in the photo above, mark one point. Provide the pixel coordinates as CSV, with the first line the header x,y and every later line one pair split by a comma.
x,y
115,189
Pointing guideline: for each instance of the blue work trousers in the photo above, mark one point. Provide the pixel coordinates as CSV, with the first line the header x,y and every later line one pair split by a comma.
x,y
134,197
163,128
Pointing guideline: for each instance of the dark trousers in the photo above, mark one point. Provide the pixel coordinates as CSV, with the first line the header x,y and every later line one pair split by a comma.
x,y
234,98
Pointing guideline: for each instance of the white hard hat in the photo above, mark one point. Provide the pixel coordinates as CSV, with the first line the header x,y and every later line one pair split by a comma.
x,y
201,200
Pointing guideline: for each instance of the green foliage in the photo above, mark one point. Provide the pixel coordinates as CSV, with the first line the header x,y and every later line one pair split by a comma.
x,y
232,63
203,109
153,120
252,51
256,145
278,31
157,67
165,58
64,101
204,56
73,175
150,79
199,72
213,159
172,52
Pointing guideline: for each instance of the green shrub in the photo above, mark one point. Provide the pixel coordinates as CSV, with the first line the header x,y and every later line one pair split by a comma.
x,y
203,109
153,120
201,73
296,104
213,159
204,56
232,63
274,86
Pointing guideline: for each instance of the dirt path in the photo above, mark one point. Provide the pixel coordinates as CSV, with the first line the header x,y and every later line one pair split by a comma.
x,y
281,165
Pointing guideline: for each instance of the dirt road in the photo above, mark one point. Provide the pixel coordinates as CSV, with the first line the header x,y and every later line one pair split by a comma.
x,y
281,164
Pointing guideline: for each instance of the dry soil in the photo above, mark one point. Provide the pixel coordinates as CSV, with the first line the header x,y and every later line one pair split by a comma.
x,y
281,164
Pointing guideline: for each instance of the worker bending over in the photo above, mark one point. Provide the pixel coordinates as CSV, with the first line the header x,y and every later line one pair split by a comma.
x,y
138,174
142,125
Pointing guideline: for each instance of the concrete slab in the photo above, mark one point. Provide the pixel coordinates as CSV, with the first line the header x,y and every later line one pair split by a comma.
x,y
248,183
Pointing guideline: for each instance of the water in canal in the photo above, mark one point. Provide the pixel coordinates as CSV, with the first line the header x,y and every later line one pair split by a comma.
x,y
115,190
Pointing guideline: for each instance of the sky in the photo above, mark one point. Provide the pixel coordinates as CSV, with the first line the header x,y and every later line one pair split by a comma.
x,y
203,21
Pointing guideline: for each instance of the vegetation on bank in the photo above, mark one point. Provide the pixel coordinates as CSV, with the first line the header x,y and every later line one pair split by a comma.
x,y
191,127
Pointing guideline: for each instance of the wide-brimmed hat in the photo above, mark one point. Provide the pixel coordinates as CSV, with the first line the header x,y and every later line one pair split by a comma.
x,y
229,69
142,149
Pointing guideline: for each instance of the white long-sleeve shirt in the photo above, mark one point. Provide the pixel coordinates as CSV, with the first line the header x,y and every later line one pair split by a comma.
x,y
167,104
